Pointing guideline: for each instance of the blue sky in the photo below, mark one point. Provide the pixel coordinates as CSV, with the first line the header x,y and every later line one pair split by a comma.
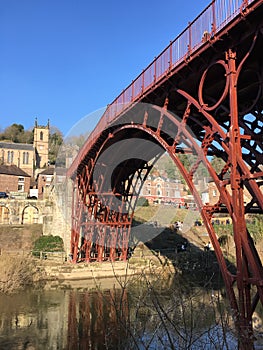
x,y
63,59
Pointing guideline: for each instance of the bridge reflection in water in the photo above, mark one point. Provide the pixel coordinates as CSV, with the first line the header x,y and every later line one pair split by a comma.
x,y
143,315
97,320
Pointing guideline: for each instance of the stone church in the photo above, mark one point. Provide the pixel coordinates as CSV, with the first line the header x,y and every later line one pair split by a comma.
x,y
27,156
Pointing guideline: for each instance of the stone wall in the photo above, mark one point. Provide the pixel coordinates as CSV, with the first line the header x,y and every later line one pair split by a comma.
x,y
45,213
58,211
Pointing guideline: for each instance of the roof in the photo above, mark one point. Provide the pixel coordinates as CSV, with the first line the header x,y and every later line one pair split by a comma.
x,y
12,170
47,171
21,146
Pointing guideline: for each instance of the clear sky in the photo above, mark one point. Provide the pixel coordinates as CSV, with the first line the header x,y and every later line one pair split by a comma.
x,y
63,59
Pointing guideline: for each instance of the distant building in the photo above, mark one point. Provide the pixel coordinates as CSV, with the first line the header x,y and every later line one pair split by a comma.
x,y
19,154
13,179
214,194
44,180
163,190
41,145
27,156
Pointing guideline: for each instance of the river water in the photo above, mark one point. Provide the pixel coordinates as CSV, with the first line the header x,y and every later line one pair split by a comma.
x,y
137,314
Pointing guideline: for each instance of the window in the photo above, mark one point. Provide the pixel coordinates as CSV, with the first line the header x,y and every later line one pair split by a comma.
x,y
20,188
25,157
41,135
21,184
149,191
10,157
214,193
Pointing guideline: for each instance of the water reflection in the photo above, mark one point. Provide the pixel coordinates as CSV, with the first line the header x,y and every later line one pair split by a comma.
x,y
96,320
150,315
67,319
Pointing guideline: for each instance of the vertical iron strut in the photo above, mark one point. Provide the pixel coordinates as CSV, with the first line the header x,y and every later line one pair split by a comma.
x,y
243,314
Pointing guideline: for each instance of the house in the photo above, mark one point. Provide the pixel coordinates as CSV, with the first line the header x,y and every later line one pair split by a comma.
x,y
214,193
44,180
158,189
13,179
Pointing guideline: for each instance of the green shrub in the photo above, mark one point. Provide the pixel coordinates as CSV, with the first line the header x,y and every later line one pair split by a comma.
x,y
48,244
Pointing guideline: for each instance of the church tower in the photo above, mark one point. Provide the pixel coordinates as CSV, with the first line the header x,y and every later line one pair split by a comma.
x,y
41,144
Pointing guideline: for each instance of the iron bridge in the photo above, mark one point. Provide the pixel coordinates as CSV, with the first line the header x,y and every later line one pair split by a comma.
x,y
201,96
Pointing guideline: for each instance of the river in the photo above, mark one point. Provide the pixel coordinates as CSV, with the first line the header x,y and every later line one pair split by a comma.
x,y
137,314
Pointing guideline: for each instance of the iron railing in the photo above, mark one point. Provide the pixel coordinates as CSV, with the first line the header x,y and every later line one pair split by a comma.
x,y
214,18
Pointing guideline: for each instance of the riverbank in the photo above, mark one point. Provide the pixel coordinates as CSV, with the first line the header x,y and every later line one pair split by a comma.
x,y
68,274
51,270
20,272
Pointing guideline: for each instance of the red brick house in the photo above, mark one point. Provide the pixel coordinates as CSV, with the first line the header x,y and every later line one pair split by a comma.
x,y
13,179
162,190
44,180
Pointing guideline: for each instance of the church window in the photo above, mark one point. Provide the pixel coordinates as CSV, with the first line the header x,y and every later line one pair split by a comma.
x,y
41,135
25,157
10,157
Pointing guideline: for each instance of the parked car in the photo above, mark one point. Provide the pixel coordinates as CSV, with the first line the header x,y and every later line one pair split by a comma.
x,y
3,195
